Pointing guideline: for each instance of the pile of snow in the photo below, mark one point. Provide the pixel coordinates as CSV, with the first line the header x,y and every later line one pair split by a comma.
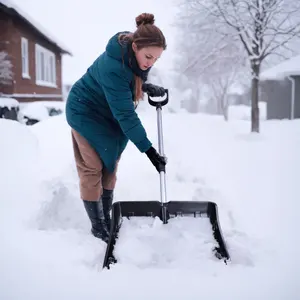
x,y
8,102
35,110
18,153
40,110
47,250
183,241
243,112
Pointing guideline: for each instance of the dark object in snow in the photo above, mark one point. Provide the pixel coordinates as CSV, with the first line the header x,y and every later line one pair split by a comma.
x,y
30,121
9,108
54,111
163,209
9,113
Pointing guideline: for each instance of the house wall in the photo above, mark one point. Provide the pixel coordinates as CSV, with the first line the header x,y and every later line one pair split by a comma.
x,y
27,86
6,26
297,98
277,94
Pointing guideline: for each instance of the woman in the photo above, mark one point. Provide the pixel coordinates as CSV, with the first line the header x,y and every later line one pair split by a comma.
x,y
101,113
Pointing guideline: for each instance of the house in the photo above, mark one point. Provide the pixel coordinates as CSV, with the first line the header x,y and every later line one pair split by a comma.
x,y
280,89
34,55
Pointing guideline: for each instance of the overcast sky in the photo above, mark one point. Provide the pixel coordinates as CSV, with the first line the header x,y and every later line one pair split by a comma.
x,y
85,26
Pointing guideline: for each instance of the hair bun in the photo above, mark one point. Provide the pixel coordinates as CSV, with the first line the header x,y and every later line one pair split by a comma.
x,y
144,19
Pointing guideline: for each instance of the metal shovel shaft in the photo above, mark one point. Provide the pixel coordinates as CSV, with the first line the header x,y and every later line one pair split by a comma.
x,y
162,175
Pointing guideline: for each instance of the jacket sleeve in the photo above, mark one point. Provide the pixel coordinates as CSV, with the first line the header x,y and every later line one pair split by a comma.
x,y
119,97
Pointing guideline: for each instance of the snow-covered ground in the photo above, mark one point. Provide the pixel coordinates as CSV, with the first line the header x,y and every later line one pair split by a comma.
x,y
47,251
243,112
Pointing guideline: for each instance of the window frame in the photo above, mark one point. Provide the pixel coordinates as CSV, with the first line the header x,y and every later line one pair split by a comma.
x,y
45,66
25,58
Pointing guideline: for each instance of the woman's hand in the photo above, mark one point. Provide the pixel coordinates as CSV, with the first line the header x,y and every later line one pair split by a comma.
x,y
157,160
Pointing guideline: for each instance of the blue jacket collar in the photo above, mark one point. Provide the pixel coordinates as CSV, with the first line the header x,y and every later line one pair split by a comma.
x,y
124,53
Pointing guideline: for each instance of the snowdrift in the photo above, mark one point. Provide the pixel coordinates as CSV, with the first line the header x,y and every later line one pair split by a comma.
x,y
47,251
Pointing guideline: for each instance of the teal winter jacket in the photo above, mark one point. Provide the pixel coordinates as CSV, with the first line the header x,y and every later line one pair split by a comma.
x,y
100,106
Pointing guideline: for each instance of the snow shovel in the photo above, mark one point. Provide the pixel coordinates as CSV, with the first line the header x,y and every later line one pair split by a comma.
x,y
163,209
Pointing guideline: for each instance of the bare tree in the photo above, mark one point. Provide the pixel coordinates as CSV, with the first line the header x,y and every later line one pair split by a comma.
x,y
5,69
262,27
207,58
224,69
219,93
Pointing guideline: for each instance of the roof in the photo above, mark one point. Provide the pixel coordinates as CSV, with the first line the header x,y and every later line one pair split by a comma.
x,y
13,10
290,67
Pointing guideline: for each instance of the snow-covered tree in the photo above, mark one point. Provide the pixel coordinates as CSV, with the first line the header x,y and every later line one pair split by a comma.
x,y
209,61
224,69
262,28
5,68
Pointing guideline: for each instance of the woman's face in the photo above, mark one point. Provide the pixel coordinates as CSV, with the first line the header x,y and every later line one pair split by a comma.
x,y
146,57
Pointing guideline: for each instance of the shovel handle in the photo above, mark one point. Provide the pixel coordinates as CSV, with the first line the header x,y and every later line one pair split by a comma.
x,y
162,176
160,103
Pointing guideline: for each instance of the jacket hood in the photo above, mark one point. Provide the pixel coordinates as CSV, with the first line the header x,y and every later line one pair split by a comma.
x,y
117,50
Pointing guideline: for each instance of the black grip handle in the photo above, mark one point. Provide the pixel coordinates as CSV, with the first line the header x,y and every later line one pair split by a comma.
x,y
150,95
159,103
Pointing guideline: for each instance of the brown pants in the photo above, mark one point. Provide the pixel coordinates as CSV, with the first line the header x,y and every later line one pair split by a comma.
x,y
93,177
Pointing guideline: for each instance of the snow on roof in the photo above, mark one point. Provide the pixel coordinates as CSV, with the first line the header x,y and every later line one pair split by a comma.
x,y
11,5
287,68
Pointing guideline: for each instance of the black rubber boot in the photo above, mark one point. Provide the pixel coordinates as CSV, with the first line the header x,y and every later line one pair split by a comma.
x,y
95,213
107,199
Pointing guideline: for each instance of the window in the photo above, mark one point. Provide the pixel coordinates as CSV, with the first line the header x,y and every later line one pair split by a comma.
x,y
25,58
45,66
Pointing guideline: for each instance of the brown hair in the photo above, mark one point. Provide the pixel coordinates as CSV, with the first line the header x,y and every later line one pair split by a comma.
x,y
146,35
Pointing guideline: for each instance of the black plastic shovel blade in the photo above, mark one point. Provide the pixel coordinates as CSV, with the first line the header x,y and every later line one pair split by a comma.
x,y
173,209
127,209
202,209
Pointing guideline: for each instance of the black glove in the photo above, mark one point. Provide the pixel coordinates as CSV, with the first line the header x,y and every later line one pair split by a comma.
x,y
157,160
153,90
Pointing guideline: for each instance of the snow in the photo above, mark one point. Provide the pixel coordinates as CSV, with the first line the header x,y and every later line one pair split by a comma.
x,y
243,112
289,67
47,251
35,110
50,36
164,246
8,102
39,110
